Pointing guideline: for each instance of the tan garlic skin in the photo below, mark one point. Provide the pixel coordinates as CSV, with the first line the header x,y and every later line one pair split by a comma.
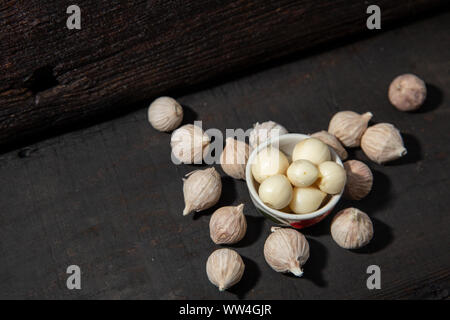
x,y
228,225
349,126
382,143
202,190
189,144
359,180
351,228
234,158
407,92
165,114
264,131
286,250
224,268
332,141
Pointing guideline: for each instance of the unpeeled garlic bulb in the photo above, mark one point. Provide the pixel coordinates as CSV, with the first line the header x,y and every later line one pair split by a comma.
x,y
359,180
349,126
311,149
264,131
234,158
332,177
286,250
275,191
165,114
228,225
189,143
332,141
306,200
382,143
268,162
202,190
302,173
407,92
351,228
224,268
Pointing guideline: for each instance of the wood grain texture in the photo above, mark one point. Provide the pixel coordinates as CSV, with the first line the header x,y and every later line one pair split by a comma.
x,y
128,51
107,198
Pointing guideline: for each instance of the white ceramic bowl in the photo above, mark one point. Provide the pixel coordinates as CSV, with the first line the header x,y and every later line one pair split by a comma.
x,y
286,144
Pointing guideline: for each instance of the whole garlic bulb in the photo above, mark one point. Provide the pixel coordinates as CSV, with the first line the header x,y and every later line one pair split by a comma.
x,y
165,114
224,268
302,173
351,228
407,92
202,190
382,143
332,141
228,225
276,191
311,149
234,158
359,180
263,131
349,126
286,250
268,162
189,143
332,177
306,200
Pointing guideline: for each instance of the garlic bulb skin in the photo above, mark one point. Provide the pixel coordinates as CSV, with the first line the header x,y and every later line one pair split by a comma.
x,y
228,225
202,190
349,126
306,200
224,268
407,92
189,143
268,162
234,158
165,114
264,131
359,180
275,191
286,250
351,228
302,173
382,143
332,141
332,177
311,149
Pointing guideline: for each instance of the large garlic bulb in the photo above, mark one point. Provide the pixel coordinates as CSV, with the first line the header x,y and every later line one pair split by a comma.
x,y
263,131
224,268
359,180
189,144
234,158
349,126
165,114
228,225
351,228
332,141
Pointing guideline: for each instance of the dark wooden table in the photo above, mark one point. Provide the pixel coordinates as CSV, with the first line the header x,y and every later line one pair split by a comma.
x,y
108,199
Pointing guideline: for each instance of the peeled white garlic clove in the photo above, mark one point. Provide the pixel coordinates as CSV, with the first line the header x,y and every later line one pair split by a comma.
x,y
311,149
228,225
332,177
234,158
302,173
359,180
332,141
349,126
268,162
263,131
202,190
351,228
286,250
165,114
224,268
382,143
189,143
276,191
306,200
407,92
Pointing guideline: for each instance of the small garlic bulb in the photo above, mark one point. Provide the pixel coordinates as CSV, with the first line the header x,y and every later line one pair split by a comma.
x,y
234,158
306,200
332,141
332,177
268,162
351,228
349,126
165,114
275,191
302,173
263,131
202,190
407,92
311,149
286,250
382,143
228,225
359,180
224,268
189,143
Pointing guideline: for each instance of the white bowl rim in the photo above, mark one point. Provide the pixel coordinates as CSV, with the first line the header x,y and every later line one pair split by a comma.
x,y
290,216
